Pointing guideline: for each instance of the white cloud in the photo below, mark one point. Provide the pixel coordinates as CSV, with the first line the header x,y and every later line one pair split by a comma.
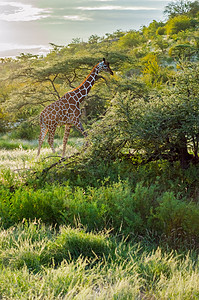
x,y
12,46
22,12
77,18
116,7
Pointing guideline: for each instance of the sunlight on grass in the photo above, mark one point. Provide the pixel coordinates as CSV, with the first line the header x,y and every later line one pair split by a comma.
x,y
38,262
23,159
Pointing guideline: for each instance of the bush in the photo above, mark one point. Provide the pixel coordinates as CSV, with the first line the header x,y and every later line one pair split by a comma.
x,y
177,24
182,51
161,31
175,217
131,39
163,126
26,130
46,204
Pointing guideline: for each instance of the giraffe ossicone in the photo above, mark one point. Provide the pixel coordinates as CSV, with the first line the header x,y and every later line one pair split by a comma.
x,y
66,111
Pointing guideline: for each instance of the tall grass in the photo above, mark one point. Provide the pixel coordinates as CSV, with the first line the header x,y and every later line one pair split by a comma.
x,y
38,262
18,158
106,230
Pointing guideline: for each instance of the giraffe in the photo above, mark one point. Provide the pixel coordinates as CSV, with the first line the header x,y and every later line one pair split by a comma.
x,y
66,111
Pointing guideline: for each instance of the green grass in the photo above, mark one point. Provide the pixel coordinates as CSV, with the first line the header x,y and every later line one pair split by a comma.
x,y
38,262
96,231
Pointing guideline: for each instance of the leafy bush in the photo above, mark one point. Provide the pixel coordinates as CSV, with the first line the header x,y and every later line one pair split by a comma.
x,y
26,130
162,126
117,206
182,51
177,24
131,39
46,204
161,30
176,217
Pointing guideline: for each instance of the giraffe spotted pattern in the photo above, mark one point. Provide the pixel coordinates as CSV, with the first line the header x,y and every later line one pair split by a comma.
x,y
66,111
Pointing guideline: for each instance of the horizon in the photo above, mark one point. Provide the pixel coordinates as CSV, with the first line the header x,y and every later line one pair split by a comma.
x,y
31,27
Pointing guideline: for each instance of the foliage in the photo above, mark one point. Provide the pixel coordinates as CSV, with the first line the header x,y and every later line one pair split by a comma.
x,y
163,126
154,74
130,40
161,31
151,30
181,7
183,51
177,24
131,201
69,226
147,54
161,44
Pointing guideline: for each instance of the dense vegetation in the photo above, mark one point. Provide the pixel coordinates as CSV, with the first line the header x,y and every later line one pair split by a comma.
x,y
121,219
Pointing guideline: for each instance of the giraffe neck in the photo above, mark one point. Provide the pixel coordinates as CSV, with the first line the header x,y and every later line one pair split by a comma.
x,y
86,85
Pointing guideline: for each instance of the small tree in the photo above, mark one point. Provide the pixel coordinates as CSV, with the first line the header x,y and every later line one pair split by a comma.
x,y
161,44
150,31
153,73
177,24
183,51
131,39
165,126
176,8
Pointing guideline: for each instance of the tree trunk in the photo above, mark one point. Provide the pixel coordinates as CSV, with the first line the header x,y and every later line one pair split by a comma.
x,y
181,147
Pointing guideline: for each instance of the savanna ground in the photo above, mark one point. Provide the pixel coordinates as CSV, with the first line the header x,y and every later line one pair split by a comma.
x,y
132,235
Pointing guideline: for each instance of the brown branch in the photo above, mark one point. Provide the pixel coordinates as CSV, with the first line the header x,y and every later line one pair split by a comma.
x,y
53,85
58,163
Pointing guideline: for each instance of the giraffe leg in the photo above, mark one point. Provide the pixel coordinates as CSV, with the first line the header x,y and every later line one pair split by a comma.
x,y
81,129
51,133
65,139
43,132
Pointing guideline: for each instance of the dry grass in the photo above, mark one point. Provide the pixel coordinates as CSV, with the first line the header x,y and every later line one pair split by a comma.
x,y
23,159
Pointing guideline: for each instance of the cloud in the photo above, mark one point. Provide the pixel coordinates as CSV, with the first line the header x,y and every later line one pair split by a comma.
x,y
16,12
13,49
14,46
116,7
77,18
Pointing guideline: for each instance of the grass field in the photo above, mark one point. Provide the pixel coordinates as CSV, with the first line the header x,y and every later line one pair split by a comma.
x,y
59,240
20,157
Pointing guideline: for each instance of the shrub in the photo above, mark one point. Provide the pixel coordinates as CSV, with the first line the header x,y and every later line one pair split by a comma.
x,y
161,30
47,205
131,39
26,130
175,217
163,126
182,51
177,24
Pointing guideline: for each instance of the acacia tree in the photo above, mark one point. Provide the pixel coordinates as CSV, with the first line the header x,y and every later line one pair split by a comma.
x,y
181,7
40,81
162,126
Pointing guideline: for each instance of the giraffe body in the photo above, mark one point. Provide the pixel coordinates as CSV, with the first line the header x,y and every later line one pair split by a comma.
x,y
66,111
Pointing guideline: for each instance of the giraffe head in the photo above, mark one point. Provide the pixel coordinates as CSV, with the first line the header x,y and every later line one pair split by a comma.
x,y
104,66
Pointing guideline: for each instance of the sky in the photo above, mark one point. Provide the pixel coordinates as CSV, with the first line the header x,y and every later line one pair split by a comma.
x,y
29,26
